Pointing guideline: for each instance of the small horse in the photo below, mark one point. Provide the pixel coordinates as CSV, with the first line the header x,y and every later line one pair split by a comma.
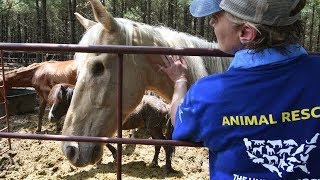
x,y
151,113
42,77
92,111
59,99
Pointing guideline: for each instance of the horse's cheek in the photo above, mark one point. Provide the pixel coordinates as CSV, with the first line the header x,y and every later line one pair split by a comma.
x,y
101,89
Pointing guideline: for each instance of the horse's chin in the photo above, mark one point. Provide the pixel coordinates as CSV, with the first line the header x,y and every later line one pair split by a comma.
x,y
81,154
53,119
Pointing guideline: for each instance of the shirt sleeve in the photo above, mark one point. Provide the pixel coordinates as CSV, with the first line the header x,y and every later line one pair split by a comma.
x,y
187,124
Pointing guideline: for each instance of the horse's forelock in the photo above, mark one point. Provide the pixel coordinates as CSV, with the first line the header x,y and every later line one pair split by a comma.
x,y
53,94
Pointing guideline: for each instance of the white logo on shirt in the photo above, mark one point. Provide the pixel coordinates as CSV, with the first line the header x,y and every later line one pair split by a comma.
x,y
280,155
180,113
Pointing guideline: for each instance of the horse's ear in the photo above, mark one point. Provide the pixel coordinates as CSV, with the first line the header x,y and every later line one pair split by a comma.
x,y
103,16
63,89
86,23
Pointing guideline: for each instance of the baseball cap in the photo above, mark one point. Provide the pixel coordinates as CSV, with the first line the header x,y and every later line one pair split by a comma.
x,y
267,12
201,8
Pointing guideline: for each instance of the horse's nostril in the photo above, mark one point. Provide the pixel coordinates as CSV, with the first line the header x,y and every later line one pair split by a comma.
x,y
71,151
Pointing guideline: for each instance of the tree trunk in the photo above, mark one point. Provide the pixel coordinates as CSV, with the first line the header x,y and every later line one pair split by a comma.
x,y
186,20
72,9
304,31
26,29
143,11
114,8
38,28
18,30
318,37
195,24
311,26
45,32
170,14
201,26
123,8
4,27
175,14
149,11
161,11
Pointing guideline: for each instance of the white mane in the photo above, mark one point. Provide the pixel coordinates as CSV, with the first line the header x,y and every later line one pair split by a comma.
x,y
164,36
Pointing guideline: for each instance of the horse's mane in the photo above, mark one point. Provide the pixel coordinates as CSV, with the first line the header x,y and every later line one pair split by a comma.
x,y
199,66
24,69
164,36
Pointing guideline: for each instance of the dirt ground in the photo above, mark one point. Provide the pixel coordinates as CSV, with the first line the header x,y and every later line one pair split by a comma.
x,y
35,159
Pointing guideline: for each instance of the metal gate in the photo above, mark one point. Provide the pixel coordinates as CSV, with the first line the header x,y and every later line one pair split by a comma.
x,y
120,50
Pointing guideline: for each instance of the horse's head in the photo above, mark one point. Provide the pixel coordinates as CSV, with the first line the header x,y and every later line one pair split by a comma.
x,y
93,107
59,98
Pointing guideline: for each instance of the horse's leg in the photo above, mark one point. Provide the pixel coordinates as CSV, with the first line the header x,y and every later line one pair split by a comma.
x,y
113,150
42,108
169,149
130,148
155,128
58,127
156,133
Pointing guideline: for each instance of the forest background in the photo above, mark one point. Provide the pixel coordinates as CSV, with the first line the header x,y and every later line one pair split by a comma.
x,y
53,21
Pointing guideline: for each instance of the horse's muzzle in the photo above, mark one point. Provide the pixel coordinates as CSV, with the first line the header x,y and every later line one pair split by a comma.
x,y
81,154
53,119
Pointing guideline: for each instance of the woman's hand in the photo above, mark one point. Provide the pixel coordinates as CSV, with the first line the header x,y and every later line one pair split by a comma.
x,y
175,67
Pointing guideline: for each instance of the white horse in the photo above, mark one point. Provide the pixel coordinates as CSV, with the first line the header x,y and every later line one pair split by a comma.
x,y
92,111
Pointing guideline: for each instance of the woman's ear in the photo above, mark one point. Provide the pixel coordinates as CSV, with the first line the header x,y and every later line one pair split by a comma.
x,y
247,34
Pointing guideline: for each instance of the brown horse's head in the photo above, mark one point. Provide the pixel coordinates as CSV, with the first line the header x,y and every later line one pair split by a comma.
x,y
59,99
93,107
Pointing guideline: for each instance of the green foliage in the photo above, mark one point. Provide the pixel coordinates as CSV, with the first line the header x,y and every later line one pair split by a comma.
x,y
172,13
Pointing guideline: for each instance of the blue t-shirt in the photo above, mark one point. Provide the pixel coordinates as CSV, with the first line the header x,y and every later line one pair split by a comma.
x,y
259,120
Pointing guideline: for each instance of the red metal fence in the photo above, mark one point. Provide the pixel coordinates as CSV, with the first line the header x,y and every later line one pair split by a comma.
x,y
120,50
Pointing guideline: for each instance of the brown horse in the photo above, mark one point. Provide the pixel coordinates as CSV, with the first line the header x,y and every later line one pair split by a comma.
x,y
42,77
151,113
92,111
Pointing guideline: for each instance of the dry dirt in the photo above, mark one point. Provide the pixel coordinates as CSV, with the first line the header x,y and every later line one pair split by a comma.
x,y
36,159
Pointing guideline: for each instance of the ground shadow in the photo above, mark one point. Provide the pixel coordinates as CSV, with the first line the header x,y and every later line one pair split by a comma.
x,y
137,169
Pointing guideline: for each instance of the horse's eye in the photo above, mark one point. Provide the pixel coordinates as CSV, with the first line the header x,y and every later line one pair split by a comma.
x,y
97,69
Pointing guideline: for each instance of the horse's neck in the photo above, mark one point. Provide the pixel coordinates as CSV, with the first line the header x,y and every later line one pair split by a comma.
x,y
21,77
145,35
158,81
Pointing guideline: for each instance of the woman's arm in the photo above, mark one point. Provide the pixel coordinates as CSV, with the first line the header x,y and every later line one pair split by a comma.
x,y
180,90
176,68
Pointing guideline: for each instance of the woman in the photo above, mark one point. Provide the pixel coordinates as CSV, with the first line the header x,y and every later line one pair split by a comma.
x,y
260,118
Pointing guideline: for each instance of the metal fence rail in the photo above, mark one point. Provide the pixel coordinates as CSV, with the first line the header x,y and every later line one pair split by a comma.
x,y
5,144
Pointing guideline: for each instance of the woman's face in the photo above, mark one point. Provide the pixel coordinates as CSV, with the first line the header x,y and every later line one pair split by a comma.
x,y
227,33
